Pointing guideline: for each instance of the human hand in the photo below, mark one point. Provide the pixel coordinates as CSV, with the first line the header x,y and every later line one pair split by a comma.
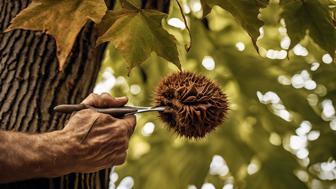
x,y
107,141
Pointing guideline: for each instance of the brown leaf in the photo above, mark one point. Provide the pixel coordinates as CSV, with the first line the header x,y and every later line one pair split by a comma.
x,y
63,19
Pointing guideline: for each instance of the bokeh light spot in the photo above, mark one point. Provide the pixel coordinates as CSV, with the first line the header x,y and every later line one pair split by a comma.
x,y
208,63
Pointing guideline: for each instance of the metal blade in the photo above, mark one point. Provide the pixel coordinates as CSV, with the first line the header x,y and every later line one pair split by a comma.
x,y
152,109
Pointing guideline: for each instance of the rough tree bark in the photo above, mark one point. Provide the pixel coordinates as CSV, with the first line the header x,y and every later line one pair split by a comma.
x,y
31,85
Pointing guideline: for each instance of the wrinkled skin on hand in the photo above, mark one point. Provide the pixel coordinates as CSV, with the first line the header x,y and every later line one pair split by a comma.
x,y
107,142
52,154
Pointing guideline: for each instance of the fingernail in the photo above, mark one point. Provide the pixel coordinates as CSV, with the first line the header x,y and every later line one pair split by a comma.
x,y
121,98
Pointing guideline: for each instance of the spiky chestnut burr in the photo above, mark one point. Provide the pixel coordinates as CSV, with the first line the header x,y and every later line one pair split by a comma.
x,y
195,105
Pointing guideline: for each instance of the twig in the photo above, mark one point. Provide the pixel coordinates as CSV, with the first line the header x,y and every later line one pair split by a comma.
x,y
186,24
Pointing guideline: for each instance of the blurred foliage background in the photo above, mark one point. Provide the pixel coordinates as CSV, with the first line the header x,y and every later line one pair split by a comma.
x,y
281,128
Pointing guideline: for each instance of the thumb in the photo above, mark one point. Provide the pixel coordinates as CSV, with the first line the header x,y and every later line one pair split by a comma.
x,y
105,100
119,101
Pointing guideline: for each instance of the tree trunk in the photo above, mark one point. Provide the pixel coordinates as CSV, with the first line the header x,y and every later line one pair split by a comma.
x,y
31,85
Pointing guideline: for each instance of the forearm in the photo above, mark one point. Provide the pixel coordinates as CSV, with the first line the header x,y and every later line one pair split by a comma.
x,y
25,156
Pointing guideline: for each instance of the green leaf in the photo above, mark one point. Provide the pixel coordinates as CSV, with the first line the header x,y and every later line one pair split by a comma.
x,y
319,154
63,19
136,34
311,16
245,12
276,172
162,163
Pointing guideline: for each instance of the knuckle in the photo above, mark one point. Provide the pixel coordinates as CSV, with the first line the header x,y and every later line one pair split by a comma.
x,y
105,118
130,121
125,146
123,131
122,144
124,123
101,142
102,116
87,112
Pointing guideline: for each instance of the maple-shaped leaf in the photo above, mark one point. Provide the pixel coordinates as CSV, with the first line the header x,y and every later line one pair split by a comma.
x,y
244,11
63,19
136,33
312,17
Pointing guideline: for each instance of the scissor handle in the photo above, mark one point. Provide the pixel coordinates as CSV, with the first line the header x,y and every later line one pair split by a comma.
x,y
116,112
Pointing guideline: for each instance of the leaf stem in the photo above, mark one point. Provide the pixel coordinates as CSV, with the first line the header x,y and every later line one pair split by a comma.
x,y
186,24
